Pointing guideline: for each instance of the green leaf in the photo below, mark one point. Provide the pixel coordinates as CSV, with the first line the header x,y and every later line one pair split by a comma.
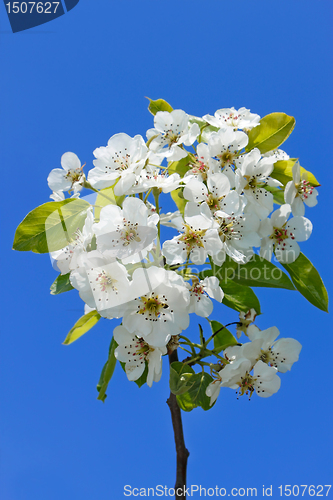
x,y
239,297
257,272
308,281
180,167
283,172
158,105
272,131
82,326
205,128
51,226
223,338
61,284
177,196
195,119
206,132
107,372
196,395
106,197
278,194
260,272
180,375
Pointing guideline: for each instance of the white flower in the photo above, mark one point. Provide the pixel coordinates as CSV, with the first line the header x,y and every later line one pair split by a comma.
x,y
160,308
202,164
238,235
217,196
102,283
281,354
200,304
229,117
264,380
57,196
245,319
170,132
282,236
67,258
69,177
135,352
148,180
299,191
277,154
122,159
252,175
213,390
128,232
199,238
225,146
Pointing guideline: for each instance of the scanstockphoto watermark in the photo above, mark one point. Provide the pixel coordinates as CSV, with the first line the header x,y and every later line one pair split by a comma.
x,y
194,490
199,491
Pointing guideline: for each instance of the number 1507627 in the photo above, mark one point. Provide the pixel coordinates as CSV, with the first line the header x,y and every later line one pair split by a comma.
x,y
32,7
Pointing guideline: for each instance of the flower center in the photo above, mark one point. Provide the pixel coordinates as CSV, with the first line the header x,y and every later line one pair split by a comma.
x,y
265,356
152,306
122,160
304,189
74,175
232,119
198,167
246,385
129,233
279,234
171,136
214,202
227,157
251,182
106,282
192,237
227,231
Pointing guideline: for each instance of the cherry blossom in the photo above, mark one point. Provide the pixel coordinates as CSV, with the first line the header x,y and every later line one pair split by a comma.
x,y
229,117
135,353
127,233
122,159
299,191
200,290
69,177
282,235
170,131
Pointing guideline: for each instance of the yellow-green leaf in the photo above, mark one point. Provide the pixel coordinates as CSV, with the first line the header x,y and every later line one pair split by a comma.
x,y
158,105
51,226
283,172
177,196
106,197
82,326
272,131
180,167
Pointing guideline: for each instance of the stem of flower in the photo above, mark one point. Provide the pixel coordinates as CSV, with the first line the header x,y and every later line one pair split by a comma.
x,y
220,329
181,450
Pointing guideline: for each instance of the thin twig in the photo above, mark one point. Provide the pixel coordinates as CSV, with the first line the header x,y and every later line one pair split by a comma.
x,y
181,450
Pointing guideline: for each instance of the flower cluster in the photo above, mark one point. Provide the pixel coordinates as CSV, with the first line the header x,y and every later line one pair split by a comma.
x,y
253,366
225,187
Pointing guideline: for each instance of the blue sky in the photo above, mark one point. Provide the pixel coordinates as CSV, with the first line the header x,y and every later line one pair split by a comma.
x,y
68,86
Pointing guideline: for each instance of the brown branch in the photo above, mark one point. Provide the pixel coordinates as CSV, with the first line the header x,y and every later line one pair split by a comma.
x,y
181,450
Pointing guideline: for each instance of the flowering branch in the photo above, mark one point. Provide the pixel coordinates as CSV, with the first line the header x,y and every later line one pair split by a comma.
x,y
113,249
